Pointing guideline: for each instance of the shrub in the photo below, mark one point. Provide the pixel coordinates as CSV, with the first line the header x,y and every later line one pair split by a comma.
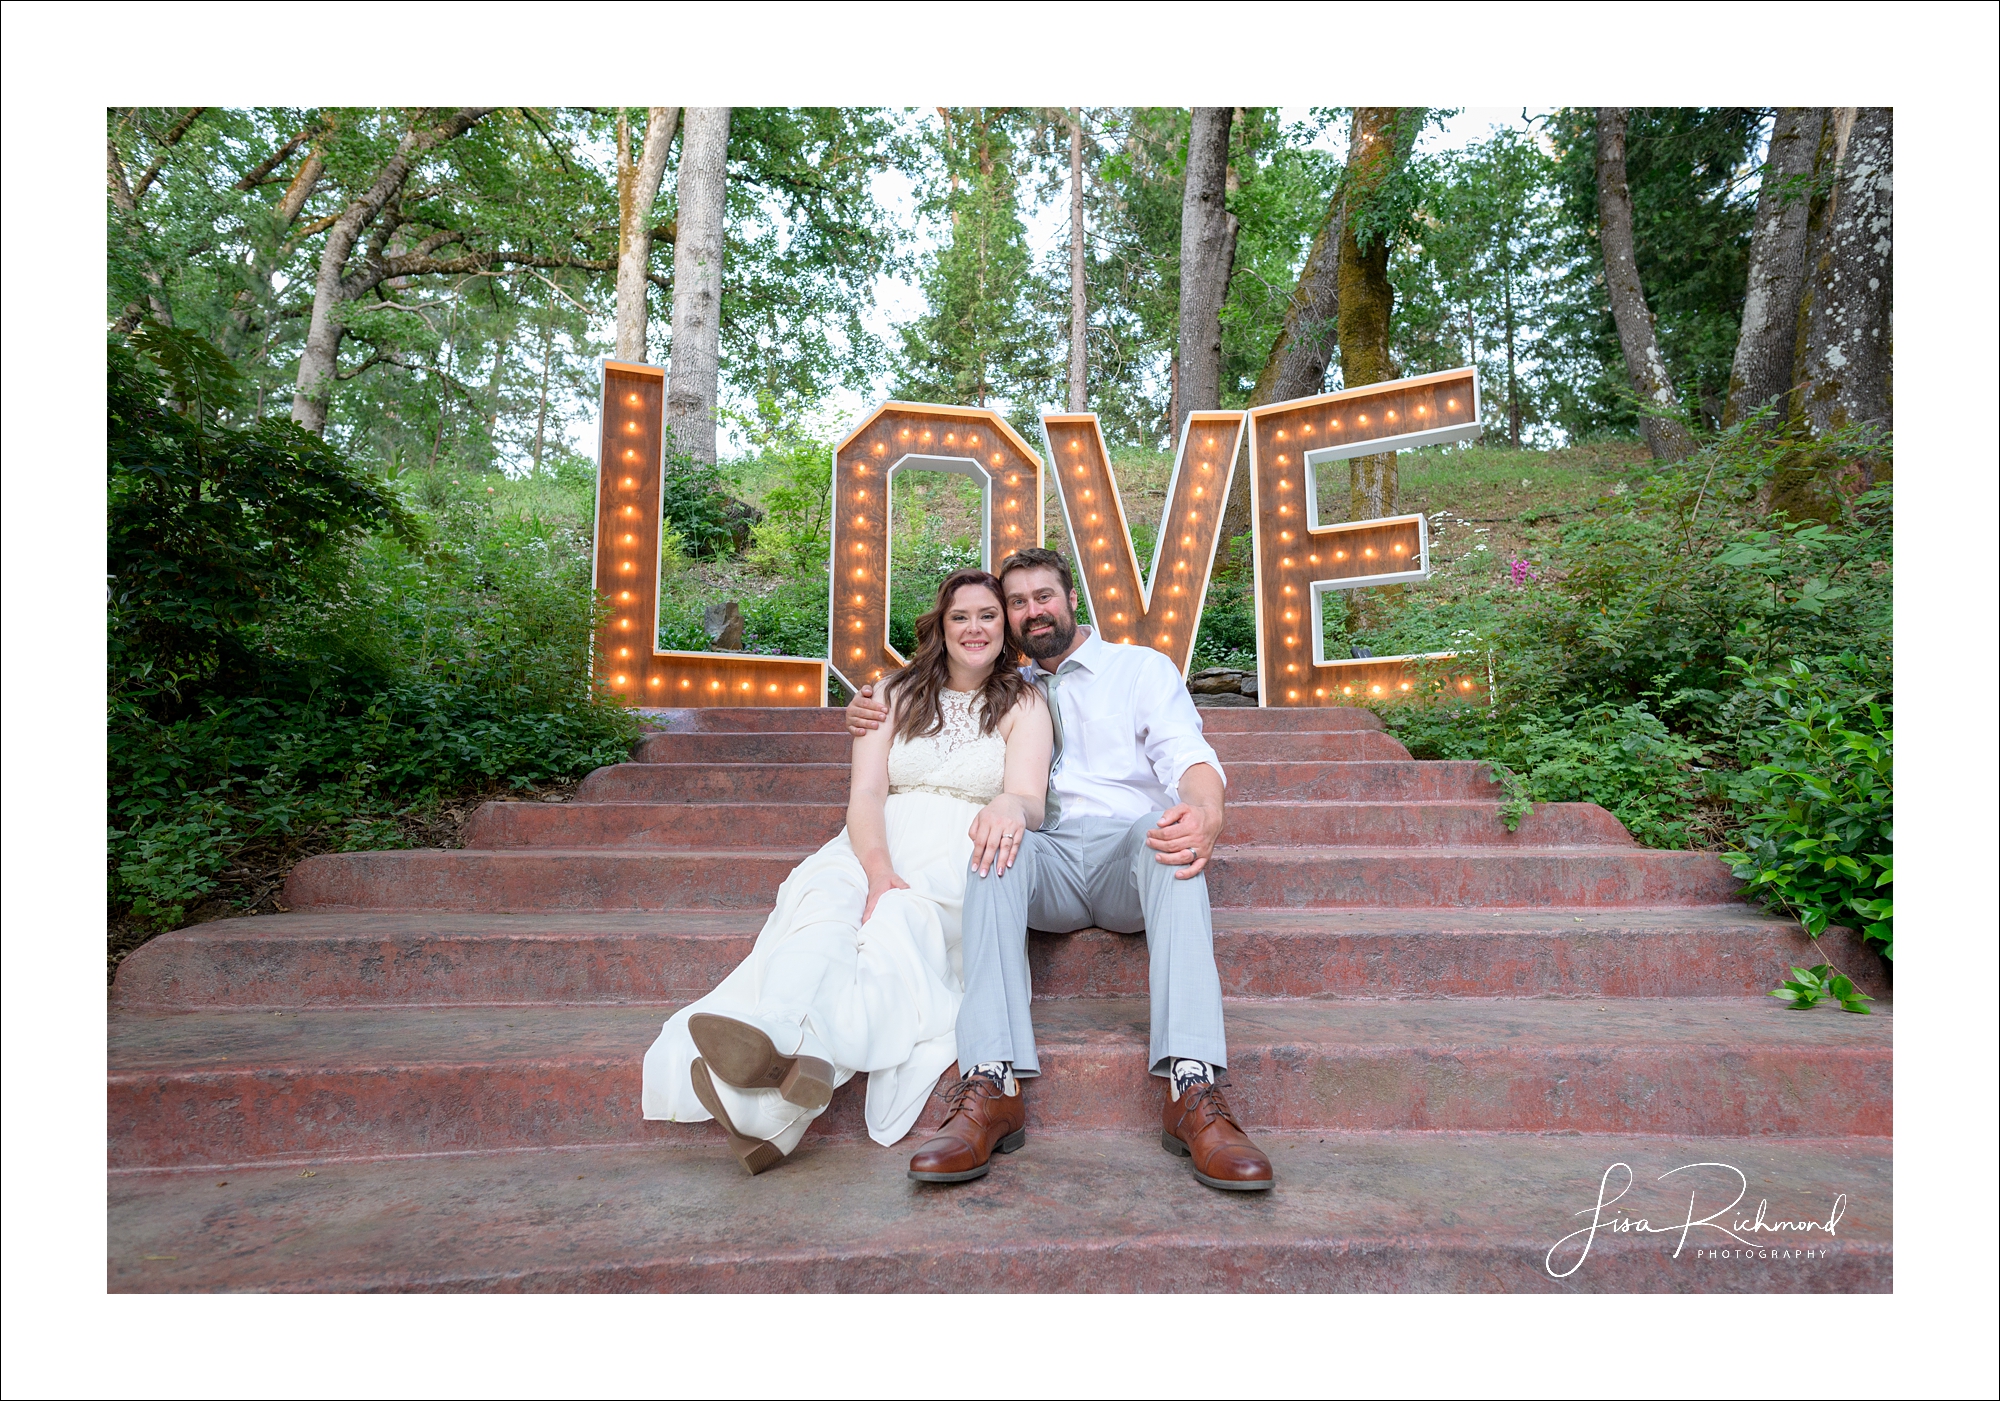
x,y
1818,835
301,661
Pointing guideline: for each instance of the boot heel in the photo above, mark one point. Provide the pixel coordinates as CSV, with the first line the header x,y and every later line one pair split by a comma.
x,y
1013,1142
1173,1145
809,1083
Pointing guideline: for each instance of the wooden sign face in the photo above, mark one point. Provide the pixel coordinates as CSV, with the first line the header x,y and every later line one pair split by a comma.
x,y
631,490
902,437
1299,561
1162,611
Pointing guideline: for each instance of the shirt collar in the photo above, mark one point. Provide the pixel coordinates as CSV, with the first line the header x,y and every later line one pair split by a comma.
x,y
1090,656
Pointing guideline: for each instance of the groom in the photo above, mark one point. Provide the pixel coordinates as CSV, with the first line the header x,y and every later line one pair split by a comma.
x,y
1134,808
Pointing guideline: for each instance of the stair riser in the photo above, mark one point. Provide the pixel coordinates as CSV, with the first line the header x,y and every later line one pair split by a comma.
x,y
218,1116
511,826
484,882
1326,1263
1303,746
1385,781
831,720
177,972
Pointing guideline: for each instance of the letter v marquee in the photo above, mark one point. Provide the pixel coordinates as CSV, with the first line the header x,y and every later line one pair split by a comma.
x,y
1164,610
631,497
1299,561
899,437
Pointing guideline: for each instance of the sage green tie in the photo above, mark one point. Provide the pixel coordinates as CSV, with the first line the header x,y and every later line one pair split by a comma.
x,y
1050,682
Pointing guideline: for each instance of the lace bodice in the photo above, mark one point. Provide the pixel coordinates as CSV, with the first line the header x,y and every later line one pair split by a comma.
x,y
957,761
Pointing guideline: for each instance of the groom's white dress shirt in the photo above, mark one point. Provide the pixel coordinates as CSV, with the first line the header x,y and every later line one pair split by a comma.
x,y
1129,731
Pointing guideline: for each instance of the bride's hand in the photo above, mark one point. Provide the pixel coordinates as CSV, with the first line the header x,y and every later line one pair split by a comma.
x,y
997,834
878,886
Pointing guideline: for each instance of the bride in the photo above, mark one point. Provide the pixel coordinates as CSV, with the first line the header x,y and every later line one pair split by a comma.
x,y
857,969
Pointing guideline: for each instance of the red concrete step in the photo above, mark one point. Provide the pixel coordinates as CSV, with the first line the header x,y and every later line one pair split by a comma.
x,y
1094,1212
403,959
831,720
792,748
716,783
204,1089
1379,781
515,825
1271,877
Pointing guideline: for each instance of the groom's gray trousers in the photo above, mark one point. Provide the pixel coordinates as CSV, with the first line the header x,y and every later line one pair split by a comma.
x,y
1089,871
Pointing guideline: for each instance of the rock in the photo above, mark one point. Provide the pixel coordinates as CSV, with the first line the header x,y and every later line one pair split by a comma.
x,y
1206,701
1216,680
724,626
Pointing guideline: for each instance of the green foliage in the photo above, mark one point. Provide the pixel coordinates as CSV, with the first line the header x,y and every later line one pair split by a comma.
x,y
1620,757
1819,840
1807,986
980,339
698,507
1714,673
1228,633
1472,275
1694,194
794,535
211,529
303,658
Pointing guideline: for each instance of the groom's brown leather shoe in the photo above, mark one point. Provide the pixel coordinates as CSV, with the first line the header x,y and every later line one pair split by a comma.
x,y
1199,1125
981,1119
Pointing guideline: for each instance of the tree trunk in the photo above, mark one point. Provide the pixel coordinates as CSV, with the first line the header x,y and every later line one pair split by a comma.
x,y
1513,382
314,391
1666,437
1367,298
694,365
1762,371
1845,369
1297,363
1173,402
638,188
542,405
1296,366
1079,308
1207,243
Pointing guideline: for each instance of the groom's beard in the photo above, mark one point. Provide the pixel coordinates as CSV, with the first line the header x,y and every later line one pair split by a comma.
x,y
1050,643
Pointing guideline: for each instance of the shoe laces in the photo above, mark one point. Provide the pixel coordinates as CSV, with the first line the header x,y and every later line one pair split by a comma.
x,y
1206,1100
966,1088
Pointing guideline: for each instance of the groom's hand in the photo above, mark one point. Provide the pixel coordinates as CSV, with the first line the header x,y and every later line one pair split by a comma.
x,y
865,713
1185,837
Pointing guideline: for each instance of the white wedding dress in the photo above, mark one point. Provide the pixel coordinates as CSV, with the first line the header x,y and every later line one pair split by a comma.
x,y
879,998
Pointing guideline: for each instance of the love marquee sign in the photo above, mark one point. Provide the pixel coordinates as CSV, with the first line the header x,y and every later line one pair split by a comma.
x,y
1298,560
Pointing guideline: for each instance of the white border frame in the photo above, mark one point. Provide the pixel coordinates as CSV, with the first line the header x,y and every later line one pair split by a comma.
x,y
1319,588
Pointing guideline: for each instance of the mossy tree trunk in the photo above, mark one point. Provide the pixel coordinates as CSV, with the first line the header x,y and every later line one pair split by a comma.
x,y
1365,296
1761,372
1845,343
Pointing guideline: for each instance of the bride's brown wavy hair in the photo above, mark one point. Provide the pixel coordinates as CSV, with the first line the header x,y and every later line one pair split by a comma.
x,y
922,682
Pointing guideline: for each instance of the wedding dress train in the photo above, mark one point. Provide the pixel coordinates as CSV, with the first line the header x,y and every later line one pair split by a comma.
x,y
878,998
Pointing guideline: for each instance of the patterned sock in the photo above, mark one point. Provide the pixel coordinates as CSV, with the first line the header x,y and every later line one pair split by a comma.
x,y
1186,1074
998,1071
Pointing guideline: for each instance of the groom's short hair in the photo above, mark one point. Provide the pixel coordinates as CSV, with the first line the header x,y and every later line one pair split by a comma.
x,y
1035,557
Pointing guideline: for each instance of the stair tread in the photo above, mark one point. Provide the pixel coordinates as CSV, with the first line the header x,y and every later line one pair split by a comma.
x,y
331,1040
697,922
1071,1212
